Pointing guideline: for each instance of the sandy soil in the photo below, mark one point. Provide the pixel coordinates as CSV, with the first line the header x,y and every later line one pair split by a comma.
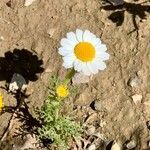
x,y
39,28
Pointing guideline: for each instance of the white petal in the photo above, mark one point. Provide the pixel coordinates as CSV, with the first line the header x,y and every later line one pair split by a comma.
x,y
79,35
67,65
101,65
94,69
102,56
101,47
94,64
78,65
65,42
87,36
64,51
95,41
85,69
72,38
68,61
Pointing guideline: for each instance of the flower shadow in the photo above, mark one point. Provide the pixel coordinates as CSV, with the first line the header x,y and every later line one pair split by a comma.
x,y
22,62
136,10
28,65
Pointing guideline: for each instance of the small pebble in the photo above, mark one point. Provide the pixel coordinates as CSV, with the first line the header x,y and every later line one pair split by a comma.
x,y
116,146
51,32
28,2
134,81
137,98
92,147
17,82
1,38
131,145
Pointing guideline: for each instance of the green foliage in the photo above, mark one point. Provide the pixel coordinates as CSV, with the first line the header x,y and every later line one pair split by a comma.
x,y
55,126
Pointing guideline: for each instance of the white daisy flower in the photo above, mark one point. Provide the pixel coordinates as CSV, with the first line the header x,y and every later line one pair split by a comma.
x,y
83,51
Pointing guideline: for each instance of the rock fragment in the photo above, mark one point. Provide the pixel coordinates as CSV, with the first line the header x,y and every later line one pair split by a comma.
x,y
1,38
116,146
137,98
92,147
51,32
131,144
134,81
17,83
28,2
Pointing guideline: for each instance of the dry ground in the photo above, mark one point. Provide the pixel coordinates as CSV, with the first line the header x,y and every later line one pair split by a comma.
x,y
39,28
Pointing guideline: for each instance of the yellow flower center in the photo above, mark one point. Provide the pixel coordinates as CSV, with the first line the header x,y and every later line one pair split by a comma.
x,y
1,102
62,91
84,51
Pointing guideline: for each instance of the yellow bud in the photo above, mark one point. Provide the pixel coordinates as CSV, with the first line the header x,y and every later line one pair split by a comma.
x,y
62,91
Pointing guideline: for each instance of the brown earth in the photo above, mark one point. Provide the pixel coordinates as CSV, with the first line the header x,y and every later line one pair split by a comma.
x,y
39,28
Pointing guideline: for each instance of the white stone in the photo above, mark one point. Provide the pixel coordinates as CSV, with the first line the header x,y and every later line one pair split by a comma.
x,y
131,145
1,38
116,146
92,147
17,82
13,87
134,81
28,2
51,32
137,98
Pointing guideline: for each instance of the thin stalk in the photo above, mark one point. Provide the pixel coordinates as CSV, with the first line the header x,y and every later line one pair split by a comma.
x,y
69,76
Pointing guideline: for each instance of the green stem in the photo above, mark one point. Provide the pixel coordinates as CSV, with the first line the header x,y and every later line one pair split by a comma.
x,y
69,76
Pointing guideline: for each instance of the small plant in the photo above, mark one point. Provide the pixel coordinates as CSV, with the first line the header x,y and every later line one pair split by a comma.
x,y
82,52
56,127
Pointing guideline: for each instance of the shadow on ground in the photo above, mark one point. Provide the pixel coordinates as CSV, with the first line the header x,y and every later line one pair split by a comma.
x,y
135,10
28,65
22,62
